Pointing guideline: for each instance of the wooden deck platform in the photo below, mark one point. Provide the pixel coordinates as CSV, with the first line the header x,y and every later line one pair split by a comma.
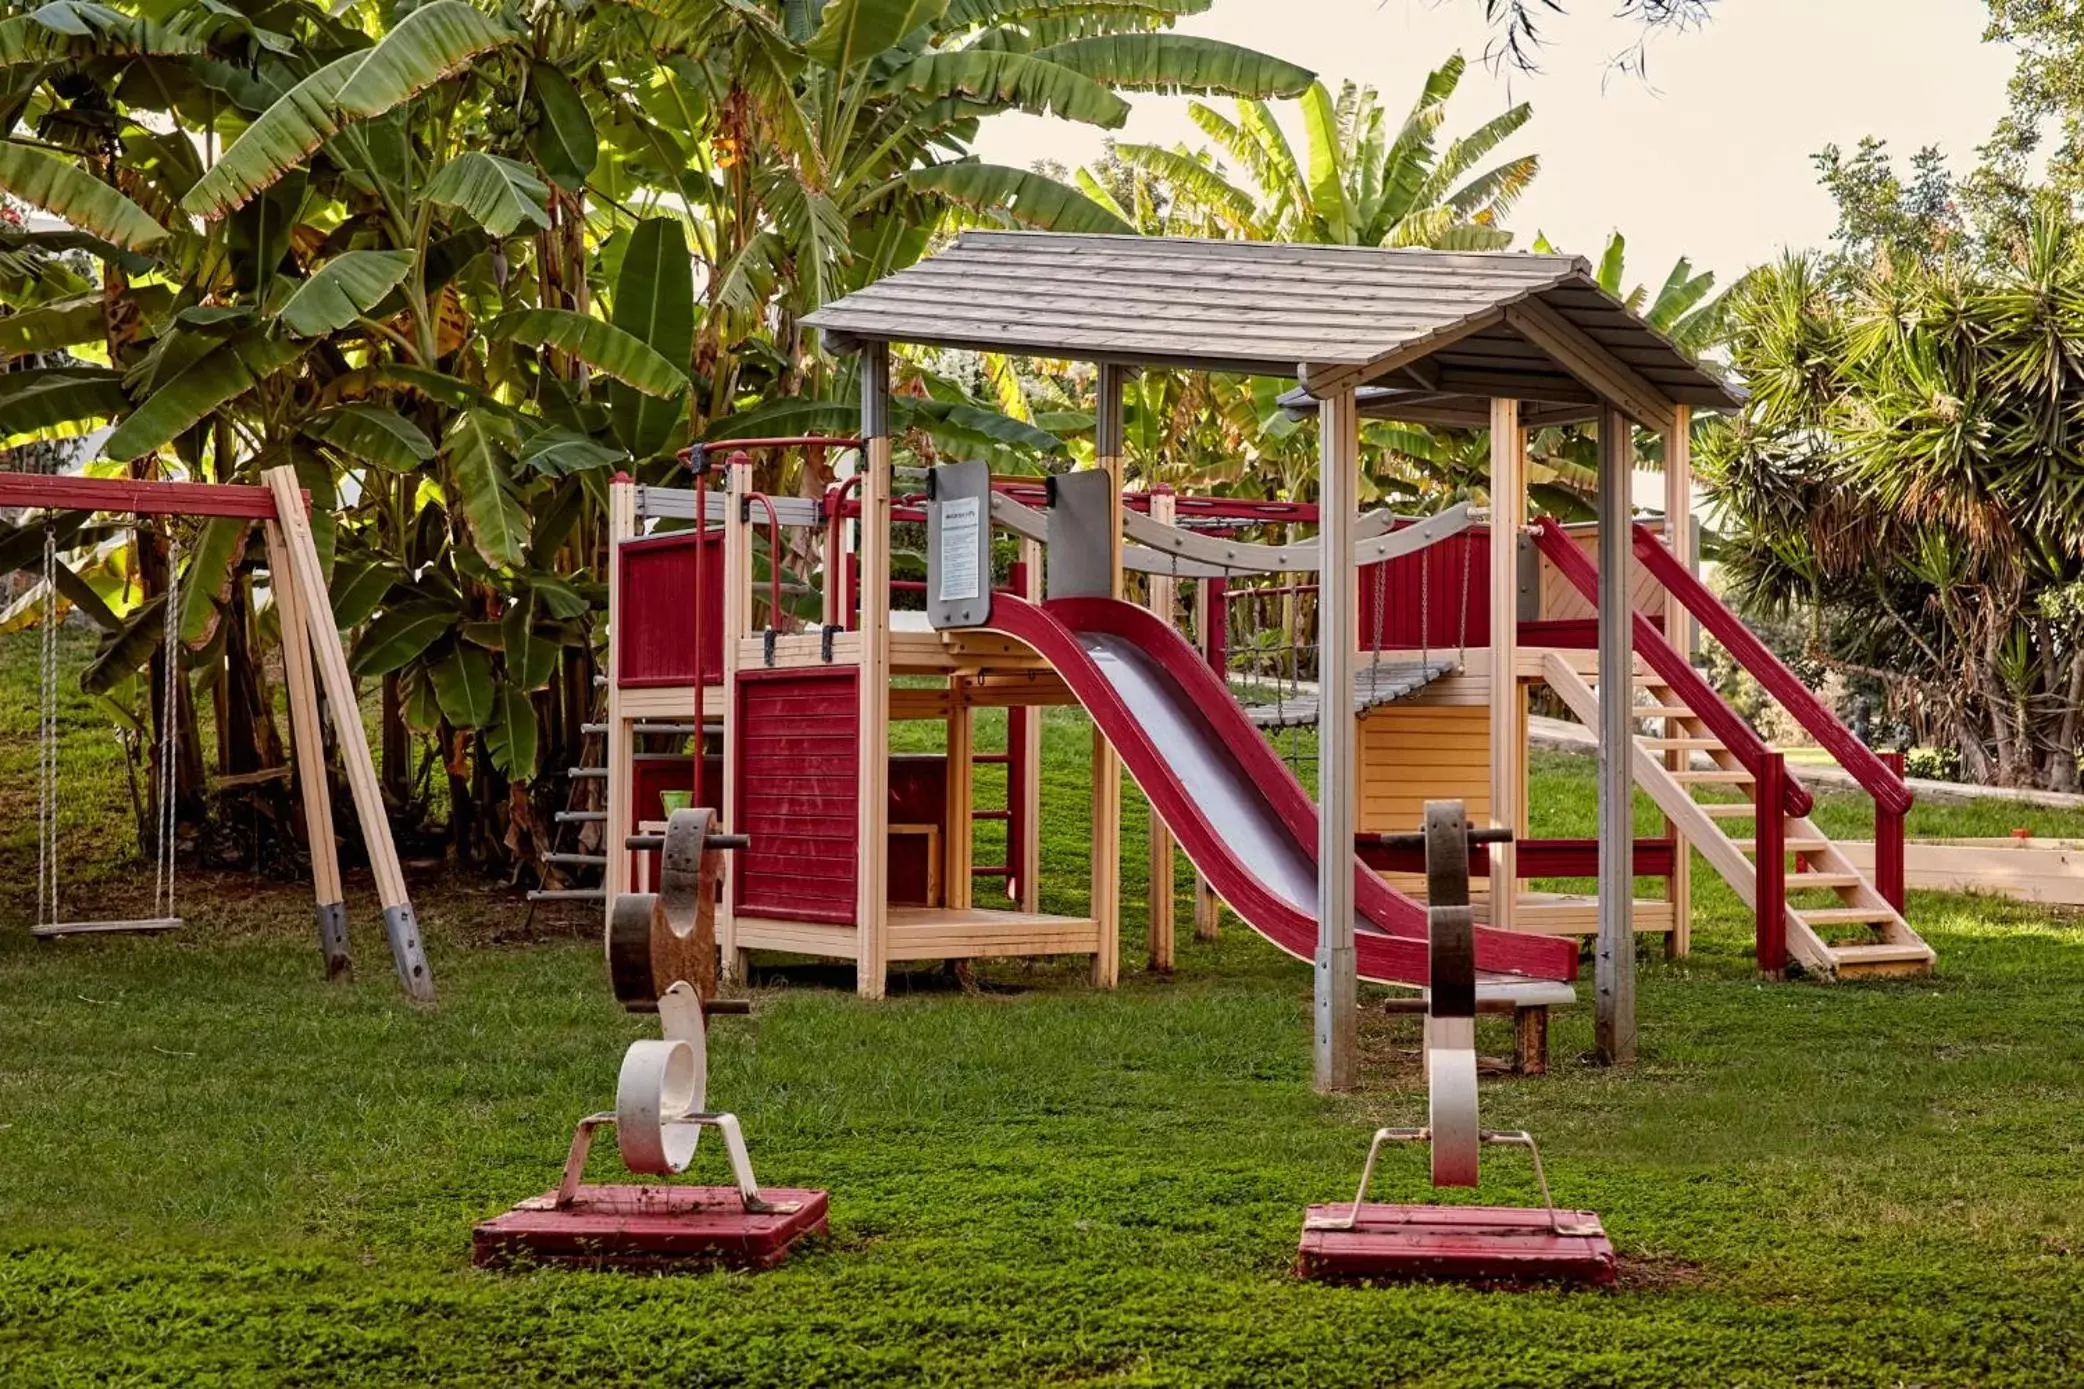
x,y
931,933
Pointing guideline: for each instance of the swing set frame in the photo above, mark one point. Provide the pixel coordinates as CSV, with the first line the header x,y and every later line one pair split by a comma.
x,y
314,661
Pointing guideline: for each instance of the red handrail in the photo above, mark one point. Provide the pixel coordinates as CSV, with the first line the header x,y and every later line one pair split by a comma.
x,y
1673,668
774,607
1782,684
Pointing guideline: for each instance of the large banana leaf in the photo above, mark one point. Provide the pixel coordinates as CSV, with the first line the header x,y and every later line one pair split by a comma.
x,y
277,141
594,341
562,139
206,578
69,29
372,434
478,464
342,290
463,685
58,324
531,657
31,401
428,44
71,194
1016,80
399,636
226,370
127,647
512,739
853,31
1327,182
654,303
559,452
496,193
1207,188
1017,196
1178,63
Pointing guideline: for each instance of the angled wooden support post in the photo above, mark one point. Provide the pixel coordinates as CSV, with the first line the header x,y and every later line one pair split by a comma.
x,y
313,785
1614,962
399,922
1337,1051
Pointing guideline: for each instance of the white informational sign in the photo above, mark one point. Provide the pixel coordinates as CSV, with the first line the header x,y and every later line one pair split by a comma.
x,y
961,519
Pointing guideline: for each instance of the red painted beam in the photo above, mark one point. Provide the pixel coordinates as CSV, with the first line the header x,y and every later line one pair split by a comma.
x,y
1537,858
1771,857
1738,736
1873,775
136,498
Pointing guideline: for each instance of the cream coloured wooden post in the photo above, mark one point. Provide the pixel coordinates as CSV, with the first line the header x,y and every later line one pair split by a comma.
x,y
1337,1060
1678,630
1106,892
1163,595
872,812
1508,739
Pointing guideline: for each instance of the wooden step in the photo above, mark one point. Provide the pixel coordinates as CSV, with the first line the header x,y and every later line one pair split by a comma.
x,y
1846,916
1721,776
1663,711
1728,810
1680,744
1821,882
1908,952
1793,846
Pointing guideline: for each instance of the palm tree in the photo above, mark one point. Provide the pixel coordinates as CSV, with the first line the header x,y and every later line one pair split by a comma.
x,y
1359,182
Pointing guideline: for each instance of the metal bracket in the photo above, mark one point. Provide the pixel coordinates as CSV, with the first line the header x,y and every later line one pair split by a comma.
x,y
825,636
767,638
734,1147
1512,1138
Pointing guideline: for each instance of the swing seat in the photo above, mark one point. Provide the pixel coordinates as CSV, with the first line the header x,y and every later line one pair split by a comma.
x,y
141,925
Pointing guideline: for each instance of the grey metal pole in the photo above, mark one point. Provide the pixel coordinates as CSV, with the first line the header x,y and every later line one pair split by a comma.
x,y
1338,487
1614,972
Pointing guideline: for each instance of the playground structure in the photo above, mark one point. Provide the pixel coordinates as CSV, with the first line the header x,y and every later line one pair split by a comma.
x,y
661,950
866,858
313,661
1482,1243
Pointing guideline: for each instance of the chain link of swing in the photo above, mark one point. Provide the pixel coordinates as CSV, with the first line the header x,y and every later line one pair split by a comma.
x,y
165,774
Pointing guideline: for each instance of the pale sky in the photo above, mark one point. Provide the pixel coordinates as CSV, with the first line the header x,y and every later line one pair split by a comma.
x,y
1709,158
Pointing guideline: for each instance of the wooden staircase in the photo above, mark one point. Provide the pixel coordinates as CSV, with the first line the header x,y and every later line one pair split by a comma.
x,y
1838,925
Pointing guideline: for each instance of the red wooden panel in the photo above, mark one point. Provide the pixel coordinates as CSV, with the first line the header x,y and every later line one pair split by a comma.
x,y
657,624
1422,596
649,1229
798,774
1483,1244
918,796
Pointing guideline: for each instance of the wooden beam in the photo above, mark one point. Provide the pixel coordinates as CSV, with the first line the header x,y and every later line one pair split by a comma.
x,y
1327,382
1106,881
1614,968
140,498
737,617
622,525
1508,751
1337,1052
956,844
1163,597
1678,630
1030,754
1578,353
872,810
399,923
306,736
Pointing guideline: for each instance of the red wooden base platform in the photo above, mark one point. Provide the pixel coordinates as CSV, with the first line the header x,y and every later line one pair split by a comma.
x,y
649,1228
1485,1244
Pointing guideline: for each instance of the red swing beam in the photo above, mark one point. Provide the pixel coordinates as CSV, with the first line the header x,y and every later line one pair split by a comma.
x,y
135,497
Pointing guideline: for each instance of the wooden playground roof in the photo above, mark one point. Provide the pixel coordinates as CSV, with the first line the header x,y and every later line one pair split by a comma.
x,y
1436,334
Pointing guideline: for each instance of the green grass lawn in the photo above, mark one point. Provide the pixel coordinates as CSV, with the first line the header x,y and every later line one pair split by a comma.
x,y
218,1168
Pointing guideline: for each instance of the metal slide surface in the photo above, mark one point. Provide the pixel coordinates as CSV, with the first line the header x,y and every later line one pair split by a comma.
x,y
1241,816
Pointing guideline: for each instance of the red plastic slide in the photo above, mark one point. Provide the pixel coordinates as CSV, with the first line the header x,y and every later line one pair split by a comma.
x,y
1233,805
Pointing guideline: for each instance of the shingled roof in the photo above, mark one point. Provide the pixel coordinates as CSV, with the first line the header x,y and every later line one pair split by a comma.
x,y
1442,331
